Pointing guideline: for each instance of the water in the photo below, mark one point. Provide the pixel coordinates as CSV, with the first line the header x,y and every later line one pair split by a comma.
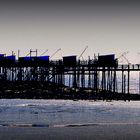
x,y
134,86
56,113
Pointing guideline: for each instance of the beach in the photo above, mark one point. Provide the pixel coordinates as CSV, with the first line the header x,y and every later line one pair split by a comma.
x,y
97,132
67,119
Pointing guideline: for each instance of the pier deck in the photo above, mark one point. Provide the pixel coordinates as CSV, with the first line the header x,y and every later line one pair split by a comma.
x,y
99,75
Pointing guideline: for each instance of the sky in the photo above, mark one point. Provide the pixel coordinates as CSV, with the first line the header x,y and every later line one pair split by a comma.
x,y
105,26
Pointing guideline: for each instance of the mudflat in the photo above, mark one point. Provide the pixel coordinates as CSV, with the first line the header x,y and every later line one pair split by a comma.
x,y
97,132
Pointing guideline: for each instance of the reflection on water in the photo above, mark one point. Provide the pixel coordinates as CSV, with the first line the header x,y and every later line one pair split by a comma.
x,y
134,85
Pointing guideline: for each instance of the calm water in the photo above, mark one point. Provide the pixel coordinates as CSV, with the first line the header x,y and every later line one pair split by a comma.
x,y
65,112
134,81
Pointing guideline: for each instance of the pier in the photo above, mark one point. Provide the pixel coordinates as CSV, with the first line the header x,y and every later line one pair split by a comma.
x,y
69,77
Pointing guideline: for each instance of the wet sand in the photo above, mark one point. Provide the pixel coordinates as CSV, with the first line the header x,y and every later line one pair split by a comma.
x,y
97,132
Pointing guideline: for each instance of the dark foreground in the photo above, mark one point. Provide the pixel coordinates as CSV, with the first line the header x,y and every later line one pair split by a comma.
x,y
45,90
97,132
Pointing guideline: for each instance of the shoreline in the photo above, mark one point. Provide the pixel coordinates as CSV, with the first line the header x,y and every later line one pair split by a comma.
x,y
49,90
105,132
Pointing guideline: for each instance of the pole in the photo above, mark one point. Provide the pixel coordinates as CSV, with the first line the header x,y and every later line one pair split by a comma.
x,y
139,82
128,80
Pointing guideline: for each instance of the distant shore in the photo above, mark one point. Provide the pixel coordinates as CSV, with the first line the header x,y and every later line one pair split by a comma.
x,y
49,90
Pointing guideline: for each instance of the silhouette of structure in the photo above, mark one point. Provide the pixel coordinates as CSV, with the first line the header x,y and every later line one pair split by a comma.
x,y
93,75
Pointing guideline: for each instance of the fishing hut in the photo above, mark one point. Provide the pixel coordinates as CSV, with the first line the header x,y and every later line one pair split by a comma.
x,y
97,75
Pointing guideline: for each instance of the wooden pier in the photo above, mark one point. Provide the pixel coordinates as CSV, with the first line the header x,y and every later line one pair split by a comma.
x,y
69,75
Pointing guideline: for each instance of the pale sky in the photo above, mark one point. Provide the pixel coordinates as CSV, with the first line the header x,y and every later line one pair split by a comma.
x,y
106,26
